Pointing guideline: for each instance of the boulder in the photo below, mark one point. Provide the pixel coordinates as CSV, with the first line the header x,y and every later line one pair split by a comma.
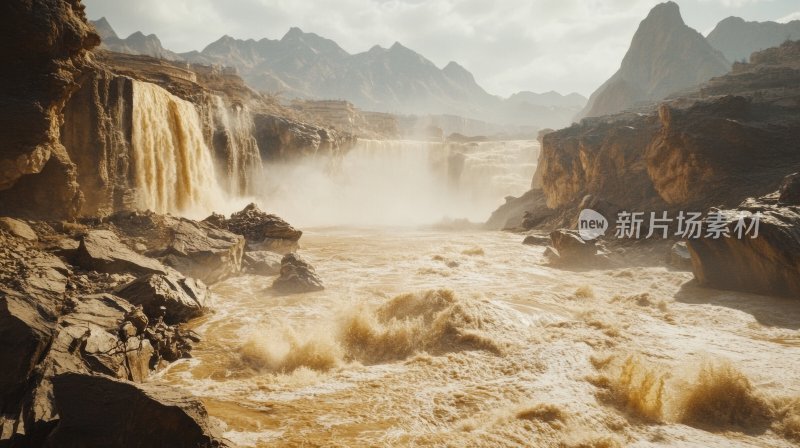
x,y
262,262
18,228
181,298
536,240
767,264
203,251
102,251
101,411
569,247
679,256
297,276
261,230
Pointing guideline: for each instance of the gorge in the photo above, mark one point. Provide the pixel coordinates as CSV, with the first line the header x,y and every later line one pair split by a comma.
x,y
189,262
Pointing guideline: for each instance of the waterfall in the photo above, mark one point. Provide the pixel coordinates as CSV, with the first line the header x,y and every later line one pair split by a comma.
x,y
173,167
236,146
400,183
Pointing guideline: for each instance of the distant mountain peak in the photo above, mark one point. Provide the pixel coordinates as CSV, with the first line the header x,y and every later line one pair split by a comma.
x,y
665,56
667,12
737,38
104,29
293,33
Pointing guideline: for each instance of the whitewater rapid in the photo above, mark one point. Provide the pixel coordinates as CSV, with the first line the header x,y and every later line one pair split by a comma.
x,y
426,337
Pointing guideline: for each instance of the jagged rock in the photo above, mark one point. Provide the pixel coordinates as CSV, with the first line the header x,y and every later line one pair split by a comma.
x,y
203,251
262,262
297,276
679,256
536,240
102,251
568,247
196,249
790,190
18,228
261,230
181,298
768,264
100,411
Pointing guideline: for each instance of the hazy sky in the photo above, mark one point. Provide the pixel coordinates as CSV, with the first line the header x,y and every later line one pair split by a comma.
x,y
510,45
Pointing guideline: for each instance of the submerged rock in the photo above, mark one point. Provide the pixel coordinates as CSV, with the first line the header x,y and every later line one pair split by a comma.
x,y
102,251
100,411
569,247
171,297
679,256
297,276
536,240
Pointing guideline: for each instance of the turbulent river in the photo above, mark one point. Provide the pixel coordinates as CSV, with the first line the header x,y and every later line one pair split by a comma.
x,y
439,335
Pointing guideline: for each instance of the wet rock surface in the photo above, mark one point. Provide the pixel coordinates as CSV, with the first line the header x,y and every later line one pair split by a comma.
x,y
101,411
297,276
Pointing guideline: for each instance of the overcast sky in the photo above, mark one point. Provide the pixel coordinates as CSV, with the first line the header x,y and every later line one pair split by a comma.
x,y
509,45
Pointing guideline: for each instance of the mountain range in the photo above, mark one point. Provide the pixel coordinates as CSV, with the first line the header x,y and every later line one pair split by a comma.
x,y
665,56
395,79
737,38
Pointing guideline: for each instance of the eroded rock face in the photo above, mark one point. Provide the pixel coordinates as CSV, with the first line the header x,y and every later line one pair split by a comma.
x,y
297,276
181,298
768,264
261,230
45,50
100,411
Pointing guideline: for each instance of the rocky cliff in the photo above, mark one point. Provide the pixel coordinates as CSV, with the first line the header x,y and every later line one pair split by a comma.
x,y
665,56
737,39
732,138
45,49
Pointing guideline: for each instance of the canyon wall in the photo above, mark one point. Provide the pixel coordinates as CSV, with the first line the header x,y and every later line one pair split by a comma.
x,y
734,137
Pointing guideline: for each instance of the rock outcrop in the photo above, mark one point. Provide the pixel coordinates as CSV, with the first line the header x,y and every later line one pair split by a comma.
x,y
567,247
262,231
665,56
297,276
768,263
196,249
100,411
45,53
